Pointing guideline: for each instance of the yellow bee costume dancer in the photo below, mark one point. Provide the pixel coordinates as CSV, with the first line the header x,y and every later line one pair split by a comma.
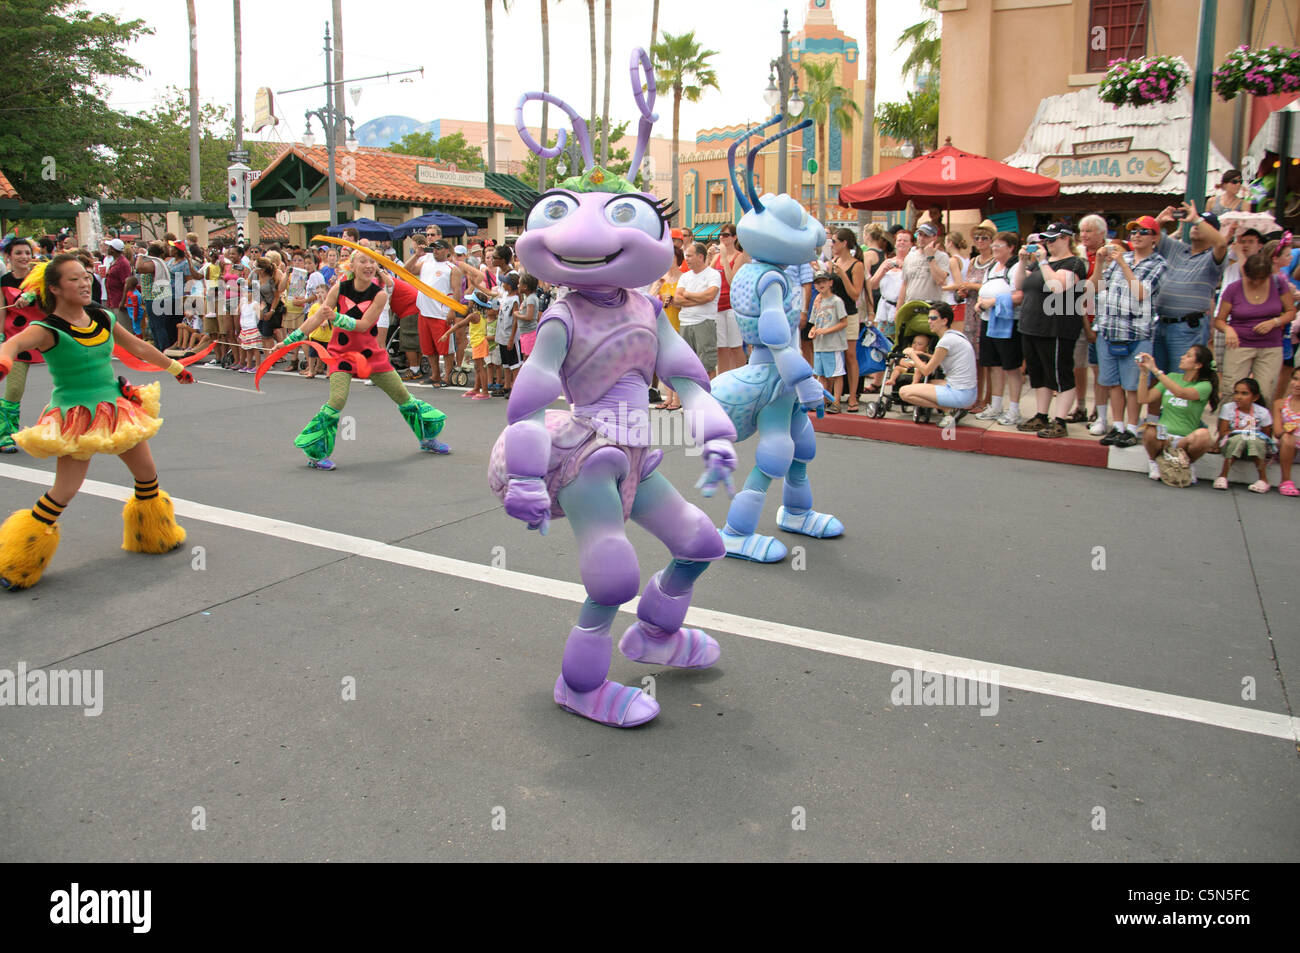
x,y
91,411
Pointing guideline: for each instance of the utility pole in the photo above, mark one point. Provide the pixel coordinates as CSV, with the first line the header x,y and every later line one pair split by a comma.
x,y
1198,150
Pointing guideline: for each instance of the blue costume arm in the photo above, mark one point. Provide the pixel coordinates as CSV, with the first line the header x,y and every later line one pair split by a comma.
x,y
774,332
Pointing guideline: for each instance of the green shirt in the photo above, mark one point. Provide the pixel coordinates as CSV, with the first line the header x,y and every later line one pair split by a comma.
x,y
1178,416
81,362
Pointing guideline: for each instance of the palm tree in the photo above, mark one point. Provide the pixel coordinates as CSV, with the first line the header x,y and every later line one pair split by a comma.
x,y
194,101
591,17
867,165
826,101
491,118
604,115
654,26
681,65
923,37
340,108
546,88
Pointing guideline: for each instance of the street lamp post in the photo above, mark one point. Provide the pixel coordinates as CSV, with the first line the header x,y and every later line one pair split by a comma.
x,y
789,101
330,118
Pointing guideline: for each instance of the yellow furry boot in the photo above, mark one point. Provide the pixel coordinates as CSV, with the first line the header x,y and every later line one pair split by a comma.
x,y
26,547
149,525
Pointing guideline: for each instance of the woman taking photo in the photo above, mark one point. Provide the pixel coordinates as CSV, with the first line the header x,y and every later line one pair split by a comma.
x,y
1254,313
973,278
1183,397
846,284
888,277
1003,354
90,411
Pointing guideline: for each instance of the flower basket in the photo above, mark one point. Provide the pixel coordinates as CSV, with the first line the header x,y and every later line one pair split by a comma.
x,y
1142,82
1258,72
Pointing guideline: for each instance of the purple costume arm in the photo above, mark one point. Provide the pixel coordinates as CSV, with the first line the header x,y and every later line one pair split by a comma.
x,y
680,366
528,445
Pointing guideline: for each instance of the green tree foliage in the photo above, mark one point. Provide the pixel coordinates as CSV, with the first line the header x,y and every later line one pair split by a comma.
x,y
826,101
620,159
451,149
58,133
924,40
681,66
915,121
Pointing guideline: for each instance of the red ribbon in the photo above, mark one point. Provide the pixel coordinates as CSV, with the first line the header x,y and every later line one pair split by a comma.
x,y
136,364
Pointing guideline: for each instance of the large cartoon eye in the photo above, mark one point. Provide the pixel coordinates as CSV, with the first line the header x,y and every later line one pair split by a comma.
x,y
627,211
551,208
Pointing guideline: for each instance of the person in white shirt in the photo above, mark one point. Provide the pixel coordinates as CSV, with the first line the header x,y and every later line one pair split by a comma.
x,y
697,296
436,270
957,358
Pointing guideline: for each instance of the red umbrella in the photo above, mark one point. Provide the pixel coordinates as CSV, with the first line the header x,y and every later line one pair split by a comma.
x,y
952,179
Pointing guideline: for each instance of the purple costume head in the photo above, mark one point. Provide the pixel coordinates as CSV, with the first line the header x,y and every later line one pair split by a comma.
x,y
597,231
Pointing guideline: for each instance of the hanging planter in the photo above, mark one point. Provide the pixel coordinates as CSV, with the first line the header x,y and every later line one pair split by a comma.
x,y
1143,82
1258,72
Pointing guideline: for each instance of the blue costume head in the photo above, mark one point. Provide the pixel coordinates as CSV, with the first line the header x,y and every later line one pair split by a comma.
x,y
597,230
775,229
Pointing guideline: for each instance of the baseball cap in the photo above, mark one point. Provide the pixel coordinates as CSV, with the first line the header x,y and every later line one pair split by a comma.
x,y
461,250
821,276
1054,231
115,244
1145,221
1212,219
478,298
927,229
676,233
440,244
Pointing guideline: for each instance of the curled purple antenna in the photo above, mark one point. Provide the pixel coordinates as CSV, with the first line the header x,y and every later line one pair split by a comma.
x,y
579,128
753,154
645,102
733,173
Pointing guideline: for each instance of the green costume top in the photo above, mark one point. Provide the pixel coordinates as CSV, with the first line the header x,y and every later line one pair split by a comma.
x,y
80,361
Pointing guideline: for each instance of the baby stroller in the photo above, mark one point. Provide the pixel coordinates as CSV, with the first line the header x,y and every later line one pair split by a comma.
x,y
911,319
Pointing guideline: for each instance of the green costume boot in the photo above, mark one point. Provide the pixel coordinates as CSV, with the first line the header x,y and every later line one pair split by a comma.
x,y
8,426
317,438
426,422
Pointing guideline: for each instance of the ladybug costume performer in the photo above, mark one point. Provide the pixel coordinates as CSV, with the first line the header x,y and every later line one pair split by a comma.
x,y
353,351
90,411
19,313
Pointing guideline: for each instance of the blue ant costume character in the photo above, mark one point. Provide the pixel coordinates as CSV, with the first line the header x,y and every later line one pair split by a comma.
x,y
597,235
772,394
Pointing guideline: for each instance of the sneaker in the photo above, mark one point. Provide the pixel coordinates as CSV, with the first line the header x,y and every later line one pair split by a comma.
x,y
1098,428
1112,435
1126,439
988,413
1153,471
434,446
1033,424
1054,428
948,420
1008,419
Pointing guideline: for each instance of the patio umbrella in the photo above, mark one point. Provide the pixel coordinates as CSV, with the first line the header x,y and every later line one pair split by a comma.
x,y
450,225
366,227
951,178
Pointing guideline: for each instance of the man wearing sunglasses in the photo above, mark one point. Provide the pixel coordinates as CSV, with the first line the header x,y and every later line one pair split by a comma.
x,y
1127,284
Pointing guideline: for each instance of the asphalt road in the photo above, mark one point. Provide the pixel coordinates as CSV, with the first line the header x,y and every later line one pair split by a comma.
x,y
225,664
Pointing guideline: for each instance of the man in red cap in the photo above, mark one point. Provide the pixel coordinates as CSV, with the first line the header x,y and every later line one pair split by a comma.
x,y
1127,284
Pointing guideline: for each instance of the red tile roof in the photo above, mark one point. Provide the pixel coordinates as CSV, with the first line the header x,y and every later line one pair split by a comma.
x,y
7,191
268,228
385,175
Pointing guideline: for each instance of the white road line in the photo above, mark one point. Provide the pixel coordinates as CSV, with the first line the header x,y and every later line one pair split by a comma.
x,y
1232,717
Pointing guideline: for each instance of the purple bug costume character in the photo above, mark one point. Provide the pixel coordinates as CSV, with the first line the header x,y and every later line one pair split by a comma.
x,y
597,235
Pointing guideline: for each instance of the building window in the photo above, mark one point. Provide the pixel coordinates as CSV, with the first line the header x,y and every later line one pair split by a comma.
x,y
833,194
717,192
808,195
1117,30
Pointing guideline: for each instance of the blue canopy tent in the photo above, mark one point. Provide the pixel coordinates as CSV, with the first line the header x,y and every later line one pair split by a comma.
x,y
450,225
366,227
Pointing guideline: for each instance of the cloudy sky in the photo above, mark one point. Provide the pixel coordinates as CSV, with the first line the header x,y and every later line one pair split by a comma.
x,y
283,48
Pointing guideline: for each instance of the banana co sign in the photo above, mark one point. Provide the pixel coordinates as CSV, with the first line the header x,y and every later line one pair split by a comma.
x,y
1107,162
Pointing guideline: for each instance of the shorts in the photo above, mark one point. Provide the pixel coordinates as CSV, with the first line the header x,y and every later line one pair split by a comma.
x,y
493,354
953,398
292,320
210,327
854,329
1005,353
480,351
1050,362
703,339
1092,353
267,328
431,330
527,342
250,338
1081,350
408,332
509,356
728,330
1239,446
1119,371
828,363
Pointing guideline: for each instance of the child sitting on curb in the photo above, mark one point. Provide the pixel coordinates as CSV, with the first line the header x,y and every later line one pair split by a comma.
x,y
1245,430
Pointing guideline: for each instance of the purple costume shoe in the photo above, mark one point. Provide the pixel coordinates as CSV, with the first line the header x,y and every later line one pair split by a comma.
x,y
601,347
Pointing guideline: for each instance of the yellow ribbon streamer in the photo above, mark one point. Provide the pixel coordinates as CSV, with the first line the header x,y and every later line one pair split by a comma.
x,y
396,269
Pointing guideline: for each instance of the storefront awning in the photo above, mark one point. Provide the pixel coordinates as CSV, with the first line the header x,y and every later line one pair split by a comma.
x,y
705,233
1092,148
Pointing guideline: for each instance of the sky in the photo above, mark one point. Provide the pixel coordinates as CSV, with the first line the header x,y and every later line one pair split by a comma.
x,y
283,48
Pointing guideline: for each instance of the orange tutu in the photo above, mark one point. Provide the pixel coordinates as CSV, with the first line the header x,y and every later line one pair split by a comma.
x,y
112,428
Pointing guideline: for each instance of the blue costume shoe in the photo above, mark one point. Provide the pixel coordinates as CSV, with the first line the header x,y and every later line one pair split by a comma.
x,y
809,523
